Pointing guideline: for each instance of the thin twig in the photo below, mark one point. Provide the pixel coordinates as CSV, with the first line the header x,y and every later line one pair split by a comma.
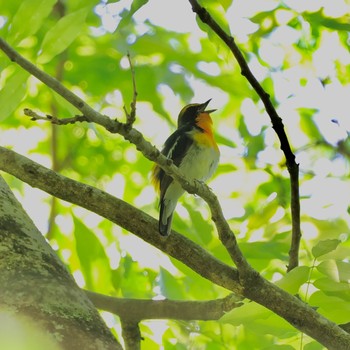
x,y
53,119
277,125
130,117
295,211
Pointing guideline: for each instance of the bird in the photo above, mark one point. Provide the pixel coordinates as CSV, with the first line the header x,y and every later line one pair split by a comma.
x,y
193,149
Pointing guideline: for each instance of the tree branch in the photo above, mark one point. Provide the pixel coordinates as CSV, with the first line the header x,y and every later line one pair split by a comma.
x,y
132,311
131,334
136,310
122,214
277,125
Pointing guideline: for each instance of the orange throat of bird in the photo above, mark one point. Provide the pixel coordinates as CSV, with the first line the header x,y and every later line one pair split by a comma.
x,y
205,122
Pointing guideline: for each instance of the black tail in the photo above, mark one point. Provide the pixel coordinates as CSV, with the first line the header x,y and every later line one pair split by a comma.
x,y
164,229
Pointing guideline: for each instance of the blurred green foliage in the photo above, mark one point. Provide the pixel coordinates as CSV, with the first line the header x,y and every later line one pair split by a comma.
x,y
286,46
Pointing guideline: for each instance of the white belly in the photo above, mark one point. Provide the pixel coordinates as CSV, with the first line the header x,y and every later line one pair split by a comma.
x,y
200,162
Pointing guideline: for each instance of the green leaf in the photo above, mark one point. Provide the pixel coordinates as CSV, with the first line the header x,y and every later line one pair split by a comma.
x,y
224,3
170,286
28,19
313,345
62,34
338,271
13,92
274,325
195,284
225,141
336,309
324,247
280,347
200,228
136,281
226,168
127,15
327,284
217,9
264,250
294,279
261,217
308,124
245,314
318,19
93,259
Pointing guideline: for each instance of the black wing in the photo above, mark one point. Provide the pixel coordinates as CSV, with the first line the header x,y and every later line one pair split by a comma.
x,y
177,144
175,147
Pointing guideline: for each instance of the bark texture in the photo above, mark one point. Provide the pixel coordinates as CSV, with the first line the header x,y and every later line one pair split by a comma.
x,y
37,293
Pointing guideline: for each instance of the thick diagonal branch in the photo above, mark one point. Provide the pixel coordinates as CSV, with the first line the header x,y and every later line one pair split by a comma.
x,y
120,213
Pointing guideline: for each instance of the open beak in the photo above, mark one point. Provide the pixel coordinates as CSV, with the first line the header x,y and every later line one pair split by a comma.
x,y
203,106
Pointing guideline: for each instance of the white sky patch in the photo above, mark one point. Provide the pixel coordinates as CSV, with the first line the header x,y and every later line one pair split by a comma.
x,y
328,197
173,15
144,254
65,223
252,116
109,13
28,138
146,197
79,278
35,203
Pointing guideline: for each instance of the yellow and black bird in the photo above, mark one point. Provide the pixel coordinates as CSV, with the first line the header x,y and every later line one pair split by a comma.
x,y
193,149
